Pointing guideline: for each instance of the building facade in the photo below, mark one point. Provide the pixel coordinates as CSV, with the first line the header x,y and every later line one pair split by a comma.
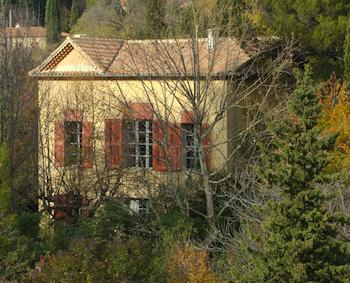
x,y
117,118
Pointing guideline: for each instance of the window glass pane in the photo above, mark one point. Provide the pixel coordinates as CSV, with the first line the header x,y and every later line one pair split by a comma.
x,y
142,126
190,151
190,140
73,142
142,138
142,162
140,143
142,149
189,163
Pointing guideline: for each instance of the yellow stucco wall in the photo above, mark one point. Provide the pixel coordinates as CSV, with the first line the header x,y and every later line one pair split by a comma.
x,y
75,62
100,99
30,42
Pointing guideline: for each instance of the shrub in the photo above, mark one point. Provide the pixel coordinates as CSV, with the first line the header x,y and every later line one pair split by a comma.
x,y
113,221
128,260
188,264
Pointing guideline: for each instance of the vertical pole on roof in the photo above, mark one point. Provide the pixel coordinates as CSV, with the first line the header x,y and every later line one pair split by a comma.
x,y
10,18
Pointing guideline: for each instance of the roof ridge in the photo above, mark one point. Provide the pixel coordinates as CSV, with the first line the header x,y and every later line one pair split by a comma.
x,y
98,38
169,40
114,56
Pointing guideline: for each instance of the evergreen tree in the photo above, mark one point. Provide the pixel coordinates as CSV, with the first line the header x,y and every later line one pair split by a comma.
x,y
52,21
74,13
5,193
318,25
347,55
41,12
155,14
230,17
301,243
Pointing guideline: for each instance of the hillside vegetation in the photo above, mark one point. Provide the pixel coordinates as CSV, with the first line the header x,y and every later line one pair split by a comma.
x,y
281,214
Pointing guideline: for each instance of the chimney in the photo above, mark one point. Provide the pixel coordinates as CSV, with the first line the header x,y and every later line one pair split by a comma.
x,y
10,18
211,40
79,35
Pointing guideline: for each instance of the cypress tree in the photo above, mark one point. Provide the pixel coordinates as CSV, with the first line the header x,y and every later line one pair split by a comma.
x,y
74,13
347,55
52,21
41,12
155,14
301,242
308,21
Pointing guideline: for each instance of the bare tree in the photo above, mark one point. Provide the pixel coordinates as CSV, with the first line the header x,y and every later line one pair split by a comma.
x,y
200,103
19,53
206,80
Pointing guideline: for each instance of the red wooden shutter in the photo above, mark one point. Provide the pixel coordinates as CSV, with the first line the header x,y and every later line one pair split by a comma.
x,y
206,144
113,142
158,158
174,147
88,141
73,115
187,117
59,144
59,208
141,111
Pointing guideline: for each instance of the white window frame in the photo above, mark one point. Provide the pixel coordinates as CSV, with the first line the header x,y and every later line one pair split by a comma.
x,y
136,207
190,148
78,144
136,155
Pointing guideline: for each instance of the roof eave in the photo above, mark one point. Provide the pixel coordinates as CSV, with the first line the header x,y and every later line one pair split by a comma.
x,y
56,52
219,76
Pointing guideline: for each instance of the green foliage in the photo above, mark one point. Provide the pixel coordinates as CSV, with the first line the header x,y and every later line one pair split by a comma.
x,y
230,17
318,25
99,20
57,236
113,222
155,14
28,224
65,19
52,21
117,261
19,244
74,13
301,242
177,224
68,267
90,3
129,260
347,55
5,201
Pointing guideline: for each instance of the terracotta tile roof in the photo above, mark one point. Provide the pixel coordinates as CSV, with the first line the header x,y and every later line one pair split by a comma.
x,y
177,57
148,58
101,51
24,32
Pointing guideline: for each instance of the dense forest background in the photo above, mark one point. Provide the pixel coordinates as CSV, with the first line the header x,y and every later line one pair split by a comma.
x,y
287,209
319,27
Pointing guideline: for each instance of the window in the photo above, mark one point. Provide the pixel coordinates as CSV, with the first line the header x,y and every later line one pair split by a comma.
x,y
73,142
70,205
139,206
190,147
139,143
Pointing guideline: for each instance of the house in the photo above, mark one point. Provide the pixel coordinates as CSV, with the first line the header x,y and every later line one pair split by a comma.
x,y
34,36
119,116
